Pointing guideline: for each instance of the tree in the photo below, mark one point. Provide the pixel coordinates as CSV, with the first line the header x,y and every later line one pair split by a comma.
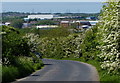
x,y
110,31
45,22
17,23
13,44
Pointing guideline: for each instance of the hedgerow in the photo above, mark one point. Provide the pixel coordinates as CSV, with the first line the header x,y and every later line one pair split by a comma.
x,y
17,55
110,32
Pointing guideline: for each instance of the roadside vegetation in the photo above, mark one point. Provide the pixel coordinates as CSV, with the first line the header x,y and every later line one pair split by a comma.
x,y
51,33
18,23
98,45
18,59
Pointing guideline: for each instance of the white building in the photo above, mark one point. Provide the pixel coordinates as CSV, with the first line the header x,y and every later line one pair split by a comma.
x,y
7,23
93,23
46,26
64,22
40,16
26,25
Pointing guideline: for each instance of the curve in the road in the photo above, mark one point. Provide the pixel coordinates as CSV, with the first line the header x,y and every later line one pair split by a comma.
x,y
64,70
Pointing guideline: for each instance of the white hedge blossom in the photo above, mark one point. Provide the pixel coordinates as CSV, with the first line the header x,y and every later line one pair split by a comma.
x,y
111,37
66,46
33,41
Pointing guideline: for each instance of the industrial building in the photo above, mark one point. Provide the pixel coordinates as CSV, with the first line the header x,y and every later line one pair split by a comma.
x,y
65,23
78,24
46,26
93,23
42,17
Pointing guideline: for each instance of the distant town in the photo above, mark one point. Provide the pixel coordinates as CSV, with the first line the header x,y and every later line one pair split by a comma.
x,y
47,20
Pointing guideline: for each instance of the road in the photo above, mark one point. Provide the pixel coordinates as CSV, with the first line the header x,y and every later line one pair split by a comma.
x,y
63,70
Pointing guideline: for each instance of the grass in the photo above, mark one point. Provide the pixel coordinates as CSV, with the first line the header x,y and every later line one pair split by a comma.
x,y
23,68
10,71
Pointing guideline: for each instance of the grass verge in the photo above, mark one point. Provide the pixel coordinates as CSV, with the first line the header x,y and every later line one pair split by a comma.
x,y
22,69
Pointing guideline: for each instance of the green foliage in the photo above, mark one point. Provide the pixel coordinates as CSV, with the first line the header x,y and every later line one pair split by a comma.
x,y
89,44
57,32
24,67
10,71
33,41
12,40
46,22
74,25
61,47
17,23
7,30
6,18
110,32
23,31
102,42
51,33
17,58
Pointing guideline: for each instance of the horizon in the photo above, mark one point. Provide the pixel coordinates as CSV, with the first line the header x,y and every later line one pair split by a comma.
x,y
49,12
52,7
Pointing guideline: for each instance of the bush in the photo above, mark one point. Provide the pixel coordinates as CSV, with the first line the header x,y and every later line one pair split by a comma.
x,y
52,33
17,23
61,47
110,32
16,55
10,71
89,44
24,67
12,40
46,22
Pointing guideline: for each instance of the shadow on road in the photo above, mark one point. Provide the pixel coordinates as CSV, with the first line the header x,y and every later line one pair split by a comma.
x,y
48,64
35,75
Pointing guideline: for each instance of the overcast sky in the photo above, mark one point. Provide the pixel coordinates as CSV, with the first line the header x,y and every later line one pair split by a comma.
x,y
53,0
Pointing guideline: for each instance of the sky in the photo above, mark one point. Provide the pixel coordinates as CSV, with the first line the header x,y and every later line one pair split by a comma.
x,y
53,0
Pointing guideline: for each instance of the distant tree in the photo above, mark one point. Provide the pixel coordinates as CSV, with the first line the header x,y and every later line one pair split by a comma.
x,y
46,22
17,23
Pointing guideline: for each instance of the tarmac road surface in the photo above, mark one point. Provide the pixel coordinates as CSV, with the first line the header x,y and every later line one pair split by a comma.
x,y
63,70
